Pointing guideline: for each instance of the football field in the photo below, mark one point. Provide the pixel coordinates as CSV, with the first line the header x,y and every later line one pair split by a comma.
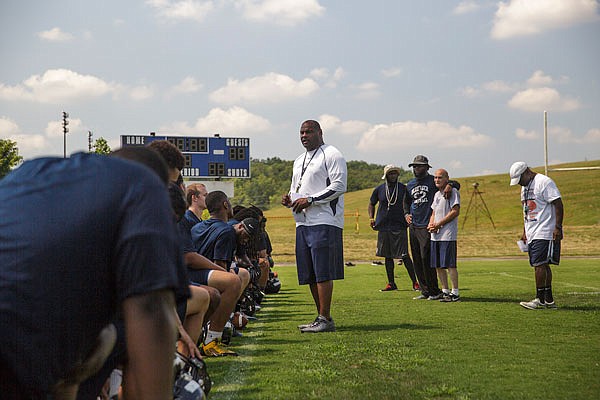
x,y
389,346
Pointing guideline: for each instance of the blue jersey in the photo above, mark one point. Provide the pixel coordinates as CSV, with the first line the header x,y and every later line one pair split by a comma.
x,y
190,218
215,240
79,236
390,217
419,196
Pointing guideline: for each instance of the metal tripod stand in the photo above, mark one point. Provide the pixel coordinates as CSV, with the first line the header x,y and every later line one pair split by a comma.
x,y
478,208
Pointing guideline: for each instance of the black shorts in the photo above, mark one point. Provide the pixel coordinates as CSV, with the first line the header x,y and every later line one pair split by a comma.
x,y
544,252
392,244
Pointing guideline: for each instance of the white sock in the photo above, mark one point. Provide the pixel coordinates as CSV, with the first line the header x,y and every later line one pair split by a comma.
x,y
116,376
212,335
455,292
446,291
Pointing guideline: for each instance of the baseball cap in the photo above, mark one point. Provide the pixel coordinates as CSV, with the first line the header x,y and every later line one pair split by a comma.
x,y
250,226
389,168
516,170
420,160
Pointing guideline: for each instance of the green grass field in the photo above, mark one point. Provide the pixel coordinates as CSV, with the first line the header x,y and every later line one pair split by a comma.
x,y
388,346
477,237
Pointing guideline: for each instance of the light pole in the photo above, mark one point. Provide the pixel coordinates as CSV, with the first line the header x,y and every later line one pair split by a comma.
x,y
65,130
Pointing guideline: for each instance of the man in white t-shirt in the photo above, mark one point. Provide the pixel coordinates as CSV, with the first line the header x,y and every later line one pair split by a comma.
x,y
443,226
316,198
542,231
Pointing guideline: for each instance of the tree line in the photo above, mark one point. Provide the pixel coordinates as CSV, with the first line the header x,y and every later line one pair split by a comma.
x,y
271,177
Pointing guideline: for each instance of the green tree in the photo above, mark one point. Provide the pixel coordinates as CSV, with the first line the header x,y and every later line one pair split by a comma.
x,y
9,156
101,146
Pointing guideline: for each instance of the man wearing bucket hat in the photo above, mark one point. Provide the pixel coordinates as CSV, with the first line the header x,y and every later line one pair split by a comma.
x,y
542,231
392,238
417,210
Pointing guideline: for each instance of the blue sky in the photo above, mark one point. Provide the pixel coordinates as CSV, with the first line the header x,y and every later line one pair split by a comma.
x,y
463,82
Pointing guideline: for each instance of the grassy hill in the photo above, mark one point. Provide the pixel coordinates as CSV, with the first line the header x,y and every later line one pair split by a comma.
x,y
477,237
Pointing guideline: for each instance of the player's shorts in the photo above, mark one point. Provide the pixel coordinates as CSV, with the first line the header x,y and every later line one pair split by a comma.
x,y
443,254
542,252
199,275
392,244
319,253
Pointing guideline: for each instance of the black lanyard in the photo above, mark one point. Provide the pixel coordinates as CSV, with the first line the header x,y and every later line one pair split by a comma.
x,y
304,167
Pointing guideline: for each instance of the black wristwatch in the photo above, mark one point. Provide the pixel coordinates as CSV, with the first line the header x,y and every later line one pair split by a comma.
x,y
309,200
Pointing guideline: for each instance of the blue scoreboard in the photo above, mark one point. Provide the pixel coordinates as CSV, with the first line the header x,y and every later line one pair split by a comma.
x,y
205,157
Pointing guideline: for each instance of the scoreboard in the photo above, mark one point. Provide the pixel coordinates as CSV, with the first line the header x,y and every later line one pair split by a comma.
x,y
205,157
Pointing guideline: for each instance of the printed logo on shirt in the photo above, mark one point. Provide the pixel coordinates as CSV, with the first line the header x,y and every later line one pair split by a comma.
x,y
419,194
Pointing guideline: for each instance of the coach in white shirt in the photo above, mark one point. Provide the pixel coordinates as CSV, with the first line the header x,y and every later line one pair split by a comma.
x,y
316,198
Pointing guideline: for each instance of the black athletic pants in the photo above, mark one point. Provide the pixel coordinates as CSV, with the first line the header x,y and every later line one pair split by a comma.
x,y
420,246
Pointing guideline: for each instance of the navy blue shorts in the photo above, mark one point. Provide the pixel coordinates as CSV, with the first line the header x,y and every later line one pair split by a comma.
x,y
544,252
443,254
319,253
199,275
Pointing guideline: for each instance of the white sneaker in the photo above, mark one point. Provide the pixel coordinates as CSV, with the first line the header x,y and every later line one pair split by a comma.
x,y
320,325
534,304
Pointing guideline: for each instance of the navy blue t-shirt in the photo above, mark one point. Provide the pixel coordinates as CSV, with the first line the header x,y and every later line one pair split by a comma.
x,y
389,218
215,240
419,195
79,236
191,218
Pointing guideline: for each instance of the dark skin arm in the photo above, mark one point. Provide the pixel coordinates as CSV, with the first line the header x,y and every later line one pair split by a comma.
x,y
371,211
198,261
559,212
150,330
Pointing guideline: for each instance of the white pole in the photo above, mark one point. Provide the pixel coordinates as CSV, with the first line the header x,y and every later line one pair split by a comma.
x,y
545,143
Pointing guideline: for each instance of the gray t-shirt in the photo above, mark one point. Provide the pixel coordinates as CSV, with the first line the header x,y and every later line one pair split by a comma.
x,y
441,207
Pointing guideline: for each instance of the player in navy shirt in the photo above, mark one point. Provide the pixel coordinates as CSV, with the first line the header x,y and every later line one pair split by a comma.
x,y
83,237
417,210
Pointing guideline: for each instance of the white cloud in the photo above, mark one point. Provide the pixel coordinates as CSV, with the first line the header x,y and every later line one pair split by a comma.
x,y
470,91
195,10
142,92
530,17
438,134
56,85
540,99
281,12
271,87
465,7
26,143
496,86
455,164
565,135
331,80
522,134
8,127
235,121
366,90
55,35
54,129
539,78
187,85
391,72
331,123
592,136
499,87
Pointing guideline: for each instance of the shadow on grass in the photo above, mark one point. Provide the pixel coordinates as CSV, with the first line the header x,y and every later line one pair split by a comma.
x,y
578,308
382,327
488,300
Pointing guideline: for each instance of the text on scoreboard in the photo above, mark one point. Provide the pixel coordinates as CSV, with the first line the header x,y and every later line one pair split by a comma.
x,y
205,157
